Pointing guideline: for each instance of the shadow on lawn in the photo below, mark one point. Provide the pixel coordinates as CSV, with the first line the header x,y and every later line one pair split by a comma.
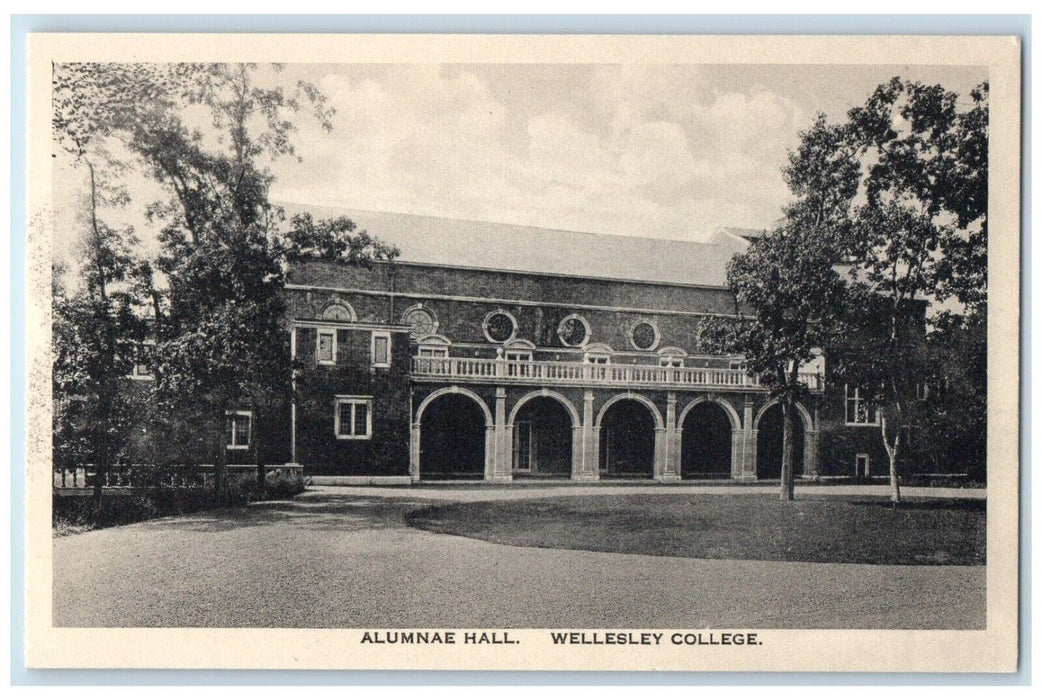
x,y
316,512
744,527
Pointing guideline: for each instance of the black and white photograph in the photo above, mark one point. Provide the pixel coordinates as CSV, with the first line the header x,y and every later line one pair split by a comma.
x,y
524,352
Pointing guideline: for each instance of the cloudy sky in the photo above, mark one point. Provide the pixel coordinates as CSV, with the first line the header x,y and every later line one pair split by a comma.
x,y
663,151
669,151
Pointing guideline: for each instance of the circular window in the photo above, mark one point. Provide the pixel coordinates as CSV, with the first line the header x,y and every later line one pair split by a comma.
x,y
644,335
499,326
574,331
422,321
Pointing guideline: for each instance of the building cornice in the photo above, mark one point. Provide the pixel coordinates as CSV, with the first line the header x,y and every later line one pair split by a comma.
x,y
505,302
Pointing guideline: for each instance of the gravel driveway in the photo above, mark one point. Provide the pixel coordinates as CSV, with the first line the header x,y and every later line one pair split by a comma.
x,y
344,557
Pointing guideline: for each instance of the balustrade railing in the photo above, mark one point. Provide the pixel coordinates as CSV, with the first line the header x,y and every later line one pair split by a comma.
x,y
573,373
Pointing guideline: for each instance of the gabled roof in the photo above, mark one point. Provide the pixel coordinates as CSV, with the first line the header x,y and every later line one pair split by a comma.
x,y
734,238
457,242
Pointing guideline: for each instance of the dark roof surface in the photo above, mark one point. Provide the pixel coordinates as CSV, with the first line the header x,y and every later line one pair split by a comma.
x,y
443,241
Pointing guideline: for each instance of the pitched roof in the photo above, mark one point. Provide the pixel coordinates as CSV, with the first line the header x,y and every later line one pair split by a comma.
x,y
735,239
457,242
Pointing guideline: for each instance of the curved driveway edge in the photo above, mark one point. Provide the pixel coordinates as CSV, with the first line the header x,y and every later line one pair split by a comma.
x,y
345,558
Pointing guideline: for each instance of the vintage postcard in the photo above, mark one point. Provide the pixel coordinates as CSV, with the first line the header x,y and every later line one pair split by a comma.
x,y
523,352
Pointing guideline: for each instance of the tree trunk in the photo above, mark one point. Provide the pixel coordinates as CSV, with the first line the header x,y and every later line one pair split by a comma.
x,y
892,451
259,452
788,489
220,463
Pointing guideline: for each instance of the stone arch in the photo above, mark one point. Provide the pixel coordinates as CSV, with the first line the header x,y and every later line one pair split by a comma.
x,y
808,421
640,398
732,414
489,422
576,419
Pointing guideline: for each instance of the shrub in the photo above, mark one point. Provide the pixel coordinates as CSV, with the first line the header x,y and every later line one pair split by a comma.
x,y
80,512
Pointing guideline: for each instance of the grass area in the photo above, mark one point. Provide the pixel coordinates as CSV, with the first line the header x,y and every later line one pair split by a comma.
x,y
858,530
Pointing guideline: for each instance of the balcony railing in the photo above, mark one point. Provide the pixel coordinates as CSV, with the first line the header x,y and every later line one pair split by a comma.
x,y
471,370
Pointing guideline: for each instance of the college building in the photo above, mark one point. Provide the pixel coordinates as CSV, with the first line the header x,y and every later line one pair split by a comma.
x,y
496,352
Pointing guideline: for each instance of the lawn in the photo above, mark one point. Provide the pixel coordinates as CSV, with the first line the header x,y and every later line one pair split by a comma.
x,y
855,530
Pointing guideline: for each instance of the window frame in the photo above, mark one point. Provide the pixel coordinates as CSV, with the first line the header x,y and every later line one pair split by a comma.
x,y
332,332
353,401
489,316
867,462
231,415
654,329
585,324
426,310
372,349
872,413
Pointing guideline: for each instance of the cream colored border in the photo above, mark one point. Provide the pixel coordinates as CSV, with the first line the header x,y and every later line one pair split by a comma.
x,y
993,649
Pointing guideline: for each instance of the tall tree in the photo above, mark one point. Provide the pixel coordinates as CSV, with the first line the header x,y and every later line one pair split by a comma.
x,y
918,234
100,319
786,285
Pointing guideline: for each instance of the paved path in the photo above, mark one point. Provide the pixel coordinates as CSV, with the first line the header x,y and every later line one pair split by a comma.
x,y
344,557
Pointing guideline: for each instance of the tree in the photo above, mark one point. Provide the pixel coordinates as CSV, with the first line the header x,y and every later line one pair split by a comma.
x,y
100,324
221,344
786,285
918,232
98,334
216,304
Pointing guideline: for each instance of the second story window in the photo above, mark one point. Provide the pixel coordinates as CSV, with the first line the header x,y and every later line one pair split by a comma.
x,y
574,331
858,410
499,326
381,349
326,346
644,335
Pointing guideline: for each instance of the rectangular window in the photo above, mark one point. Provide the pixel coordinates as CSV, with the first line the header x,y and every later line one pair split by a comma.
x,y
671,362
858,409
513,357
141,356
434,352
863,466
237,429
326,350
381,349
354,418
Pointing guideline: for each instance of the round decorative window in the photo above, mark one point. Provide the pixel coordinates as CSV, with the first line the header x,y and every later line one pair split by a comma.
x,y
422,321
644,335
337,312
499,326
574,331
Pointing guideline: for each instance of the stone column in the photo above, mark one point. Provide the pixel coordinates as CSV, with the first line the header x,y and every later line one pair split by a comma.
x,y
414,452
502,438
589,459
747,470
577,452
810,454
670,470
660,468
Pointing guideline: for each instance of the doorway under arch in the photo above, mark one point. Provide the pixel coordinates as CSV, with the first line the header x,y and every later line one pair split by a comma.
x,y
705,449
452,439
627,440
769,443
542,439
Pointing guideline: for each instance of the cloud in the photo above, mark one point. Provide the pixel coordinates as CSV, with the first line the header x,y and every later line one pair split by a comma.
x,y
637,150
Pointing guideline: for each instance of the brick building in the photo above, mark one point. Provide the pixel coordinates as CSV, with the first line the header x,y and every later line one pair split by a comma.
x,y
502,352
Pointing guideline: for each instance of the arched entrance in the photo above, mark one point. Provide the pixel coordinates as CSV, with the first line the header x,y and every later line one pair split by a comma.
x,y
770,425
452,438
705,449
542,439
627,435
